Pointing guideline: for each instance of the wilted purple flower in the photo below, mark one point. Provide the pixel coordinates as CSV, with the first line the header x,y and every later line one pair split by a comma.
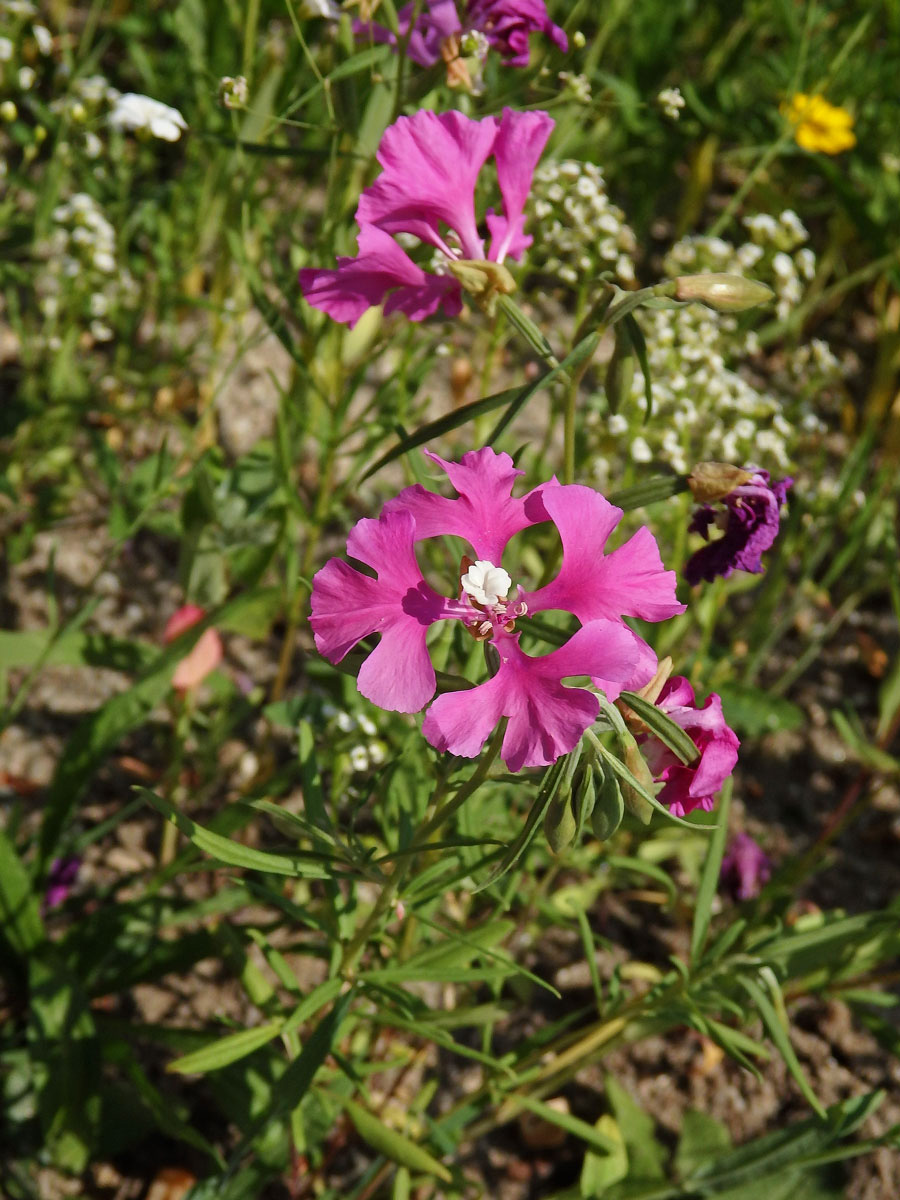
x,y
745,868
750,521
60,881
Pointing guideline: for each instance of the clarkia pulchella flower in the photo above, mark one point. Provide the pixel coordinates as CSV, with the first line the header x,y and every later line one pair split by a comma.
x,y
430,166
745,868
686,787
546,718
749,520
506,24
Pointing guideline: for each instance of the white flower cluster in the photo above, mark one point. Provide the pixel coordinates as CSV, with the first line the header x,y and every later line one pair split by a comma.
x,y
362,756
81,266
708,401
578,230
671,101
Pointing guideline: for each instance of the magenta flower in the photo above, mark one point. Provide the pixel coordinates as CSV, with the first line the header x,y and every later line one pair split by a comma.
x,y
60,881
546,718
506,24
745,868
689,787
430,165
750,521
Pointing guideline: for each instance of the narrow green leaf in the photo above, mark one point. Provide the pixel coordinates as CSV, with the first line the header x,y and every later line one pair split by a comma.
x,y
20,914
662,725
581,352
709,877
639,345
393,1145
233,854
660,487
589,1134
779,1036
226,1050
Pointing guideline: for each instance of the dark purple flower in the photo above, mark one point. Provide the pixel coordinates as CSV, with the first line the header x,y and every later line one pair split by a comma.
x,y
745,868
750,521
506,24
60,881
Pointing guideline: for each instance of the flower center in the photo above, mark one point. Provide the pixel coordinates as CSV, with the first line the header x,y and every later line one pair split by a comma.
x,y
484,591
485,583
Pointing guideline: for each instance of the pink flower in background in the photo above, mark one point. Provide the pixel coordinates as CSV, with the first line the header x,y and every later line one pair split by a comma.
x,y
689,787
60,881
506,24
430,166
205,655
745,868
546,718
750,522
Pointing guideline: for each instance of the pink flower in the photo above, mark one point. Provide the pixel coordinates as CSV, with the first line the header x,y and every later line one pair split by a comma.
x,y
745,868
694,786
430,166
546,719
505,23
205,655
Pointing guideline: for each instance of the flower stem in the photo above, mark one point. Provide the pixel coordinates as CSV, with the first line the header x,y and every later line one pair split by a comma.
x,y
442,813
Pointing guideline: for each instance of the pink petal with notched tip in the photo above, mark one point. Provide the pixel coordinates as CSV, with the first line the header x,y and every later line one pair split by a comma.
x,y
430,167
347,605
521,138
629,582
546,719
486,513
381,273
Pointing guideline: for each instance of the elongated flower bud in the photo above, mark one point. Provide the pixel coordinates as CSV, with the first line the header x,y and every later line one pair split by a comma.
x,y
559,823
638,805
711,481
724,293
609,808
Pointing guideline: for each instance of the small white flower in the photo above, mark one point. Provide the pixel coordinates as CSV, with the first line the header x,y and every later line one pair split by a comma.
x,y
93,147
485,583
27,76
234,91
640,451
617,424
6,49
345,722
367,725
359,758
43,37
320,8
671,101
143,114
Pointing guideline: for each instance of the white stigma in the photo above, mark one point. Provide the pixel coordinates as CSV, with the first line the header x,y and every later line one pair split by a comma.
x,y
485,583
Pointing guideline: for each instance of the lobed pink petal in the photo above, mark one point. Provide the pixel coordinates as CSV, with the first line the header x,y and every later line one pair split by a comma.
x,y
521,138
430,167
687,787
486,513
381,273
546,719
629,582
347,605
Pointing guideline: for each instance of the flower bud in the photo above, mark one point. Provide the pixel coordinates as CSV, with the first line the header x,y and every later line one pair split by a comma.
x,y
711,481
638,805
724,293
608,808
483,280
8,111
559,823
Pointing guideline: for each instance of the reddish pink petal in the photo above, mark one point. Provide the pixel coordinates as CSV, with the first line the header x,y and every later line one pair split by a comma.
x,y
546,719
693,786
347,606
629,582
486,514
430,166
203,658
520,142
184,618
381,273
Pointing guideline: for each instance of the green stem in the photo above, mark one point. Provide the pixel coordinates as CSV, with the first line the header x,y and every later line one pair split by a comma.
x,y
444,811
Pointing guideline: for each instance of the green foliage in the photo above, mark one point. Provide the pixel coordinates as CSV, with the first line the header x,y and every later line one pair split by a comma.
x,y
361,945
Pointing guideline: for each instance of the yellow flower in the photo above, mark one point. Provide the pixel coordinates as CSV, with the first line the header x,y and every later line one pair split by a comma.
x,y
819,125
